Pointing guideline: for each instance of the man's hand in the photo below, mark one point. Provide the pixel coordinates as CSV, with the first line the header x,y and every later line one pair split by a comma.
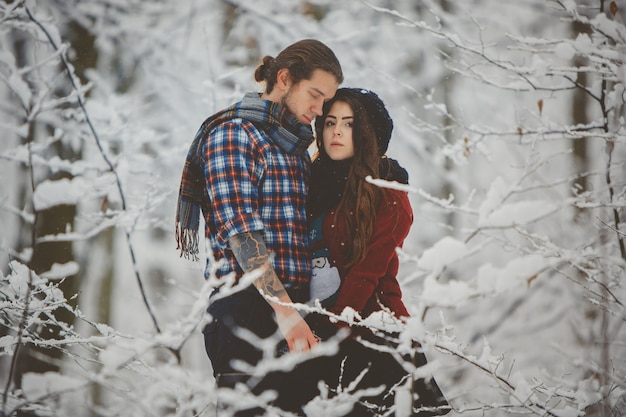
x,y
295,330
251,253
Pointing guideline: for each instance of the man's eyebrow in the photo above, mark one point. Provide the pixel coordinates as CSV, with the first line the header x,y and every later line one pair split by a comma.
x,y
318,91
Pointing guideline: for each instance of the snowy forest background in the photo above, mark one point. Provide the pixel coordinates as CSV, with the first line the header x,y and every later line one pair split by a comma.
x,y
509,116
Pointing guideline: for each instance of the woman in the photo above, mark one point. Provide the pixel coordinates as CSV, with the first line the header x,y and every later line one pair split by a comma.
x,y
355,228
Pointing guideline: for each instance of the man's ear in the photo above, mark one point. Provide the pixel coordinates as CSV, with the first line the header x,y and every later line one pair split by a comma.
x,y
283,79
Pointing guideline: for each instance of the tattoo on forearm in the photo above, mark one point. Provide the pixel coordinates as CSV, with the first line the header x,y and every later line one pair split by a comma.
x,y
250,251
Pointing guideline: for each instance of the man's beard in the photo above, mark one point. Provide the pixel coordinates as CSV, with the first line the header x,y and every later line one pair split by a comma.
x,y
285,101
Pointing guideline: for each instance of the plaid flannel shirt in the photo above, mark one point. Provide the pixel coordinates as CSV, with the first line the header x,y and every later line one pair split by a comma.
x,y
253,185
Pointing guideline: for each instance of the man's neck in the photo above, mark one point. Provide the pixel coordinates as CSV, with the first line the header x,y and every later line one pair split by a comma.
x,y
274,96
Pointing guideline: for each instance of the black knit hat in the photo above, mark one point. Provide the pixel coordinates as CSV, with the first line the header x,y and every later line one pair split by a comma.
x,y
377,112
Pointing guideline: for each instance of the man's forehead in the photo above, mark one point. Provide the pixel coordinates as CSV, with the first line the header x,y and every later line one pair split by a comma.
x,y
324,83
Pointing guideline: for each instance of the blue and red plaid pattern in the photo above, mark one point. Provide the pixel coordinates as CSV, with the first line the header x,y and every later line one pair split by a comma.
x,y
254,185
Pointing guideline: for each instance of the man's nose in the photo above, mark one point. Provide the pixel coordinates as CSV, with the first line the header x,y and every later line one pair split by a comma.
x,y
318,106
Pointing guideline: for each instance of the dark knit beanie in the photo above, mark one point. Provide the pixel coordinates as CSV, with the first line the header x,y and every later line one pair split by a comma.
x,y
376,110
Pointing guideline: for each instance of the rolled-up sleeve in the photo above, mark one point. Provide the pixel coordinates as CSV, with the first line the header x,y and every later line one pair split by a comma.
x,y
233,170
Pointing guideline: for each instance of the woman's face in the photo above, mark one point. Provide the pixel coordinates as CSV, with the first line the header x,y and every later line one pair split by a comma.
x,y
337,133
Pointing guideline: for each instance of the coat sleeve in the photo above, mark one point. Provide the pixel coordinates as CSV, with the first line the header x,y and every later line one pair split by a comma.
x,y
393,222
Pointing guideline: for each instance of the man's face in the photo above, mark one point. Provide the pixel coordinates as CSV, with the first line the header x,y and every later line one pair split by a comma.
x,y
305,99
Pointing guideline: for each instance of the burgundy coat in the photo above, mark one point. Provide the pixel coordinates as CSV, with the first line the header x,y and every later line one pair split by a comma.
x,y
372,281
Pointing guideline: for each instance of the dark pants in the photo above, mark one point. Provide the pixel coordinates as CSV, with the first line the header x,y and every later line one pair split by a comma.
x,y
247,309
386,370
382,369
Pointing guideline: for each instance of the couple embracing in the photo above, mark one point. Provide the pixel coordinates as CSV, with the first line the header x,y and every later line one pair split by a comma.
x,y
315,232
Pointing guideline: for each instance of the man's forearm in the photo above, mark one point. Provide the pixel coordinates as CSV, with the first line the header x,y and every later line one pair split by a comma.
x,y
251,253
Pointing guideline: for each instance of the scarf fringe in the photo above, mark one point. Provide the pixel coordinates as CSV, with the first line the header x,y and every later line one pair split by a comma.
x,y
187,242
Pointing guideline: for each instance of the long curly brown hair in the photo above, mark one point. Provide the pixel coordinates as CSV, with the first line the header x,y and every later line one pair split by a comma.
x,y
360,198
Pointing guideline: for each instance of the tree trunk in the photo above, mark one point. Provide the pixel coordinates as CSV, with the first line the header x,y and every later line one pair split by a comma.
x,y
51,221
580,146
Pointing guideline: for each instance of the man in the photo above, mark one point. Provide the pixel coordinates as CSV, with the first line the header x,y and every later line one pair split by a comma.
x,y
247,171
